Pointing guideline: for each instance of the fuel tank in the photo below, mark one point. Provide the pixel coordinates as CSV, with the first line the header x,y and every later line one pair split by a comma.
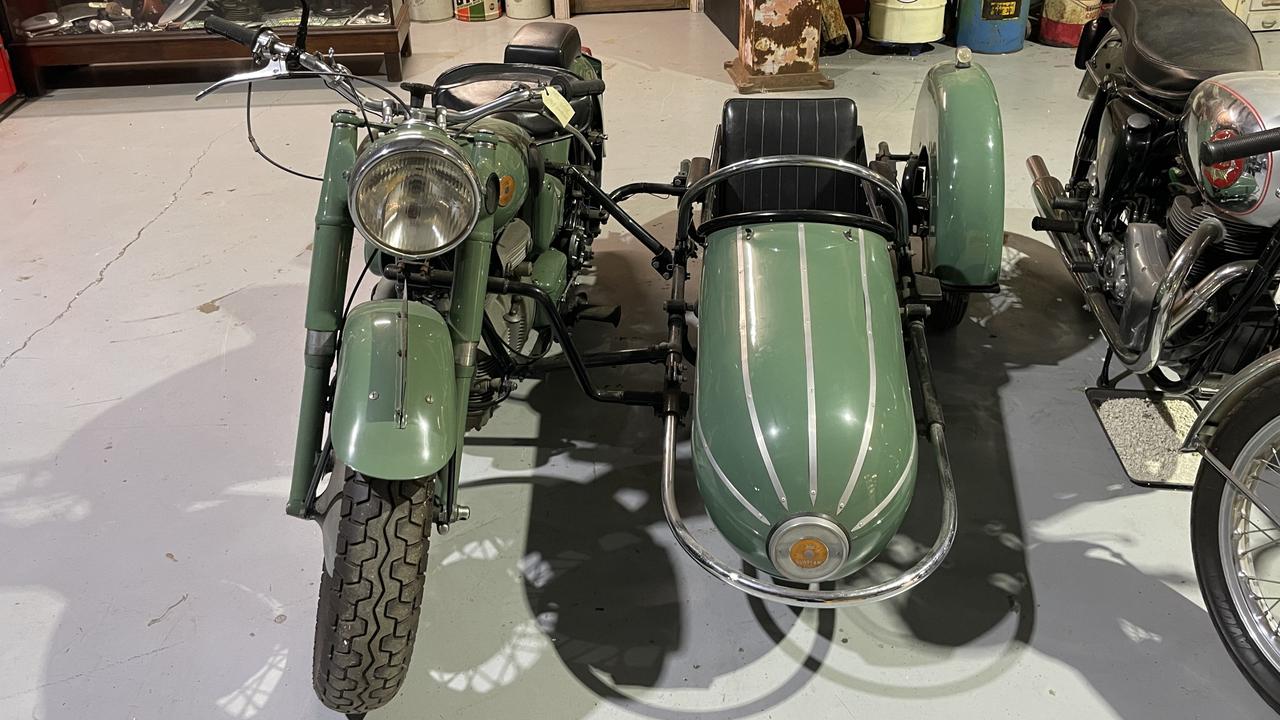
x,y
802,404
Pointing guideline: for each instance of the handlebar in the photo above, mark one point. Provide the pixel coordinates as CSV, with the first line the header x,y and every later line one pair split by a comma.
x,y
277,59
232,31
574,89
1213,152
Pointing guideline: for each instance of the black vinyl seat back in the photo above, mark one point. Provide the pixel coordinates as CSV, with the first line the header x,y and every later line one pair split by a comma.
x,y
761,127
544,43
1170,46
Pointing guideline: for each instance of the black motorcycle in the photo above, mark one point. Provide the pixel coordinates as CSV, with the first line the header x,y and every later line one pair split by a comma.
x,y
1168,224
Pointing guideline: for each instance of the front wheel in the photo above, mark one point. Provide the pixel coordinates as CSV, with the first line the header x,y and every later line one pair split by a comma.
x,y
1236,548
370,591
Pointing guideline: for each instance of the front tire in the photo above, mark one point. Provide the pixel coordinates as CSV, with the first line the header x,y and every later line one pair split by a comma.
x,y
368,611
1218,531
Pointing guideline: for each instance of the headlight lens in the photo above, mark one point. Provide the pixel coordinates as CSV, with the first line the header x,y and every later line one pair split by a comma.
x,y
808,548
414,197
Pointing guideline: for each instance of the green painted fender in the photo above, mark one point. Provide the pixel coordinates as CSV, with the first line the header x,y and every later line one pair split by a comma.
x,y
367,437
802,402
958,131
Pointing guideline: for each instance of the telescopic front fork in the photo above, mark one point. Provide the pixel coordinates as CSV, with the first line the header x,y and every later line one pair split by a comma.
x,y
330,253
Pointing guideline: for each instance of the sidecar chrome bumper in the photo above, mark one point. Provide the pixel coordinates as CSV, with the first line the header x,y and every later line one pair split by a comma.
x,y
839,597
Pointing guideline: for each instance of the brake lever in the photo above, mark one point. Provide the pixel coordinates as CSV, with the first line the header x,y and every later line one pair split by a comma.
x,y
276,68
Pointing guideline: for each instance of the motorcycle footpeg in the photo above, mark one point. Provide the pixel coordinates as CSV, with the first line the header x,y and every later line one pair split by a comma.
x,y
1055,225
928,288
611,314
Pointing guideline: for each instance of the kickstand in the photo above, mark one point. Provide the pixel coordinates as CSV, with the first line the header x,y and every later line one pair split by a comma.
x,y
1104,378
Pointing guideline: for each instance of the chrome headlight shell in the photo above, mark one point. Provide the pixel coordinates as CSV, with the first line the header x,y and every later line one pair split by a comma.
x,y
414,196
808,548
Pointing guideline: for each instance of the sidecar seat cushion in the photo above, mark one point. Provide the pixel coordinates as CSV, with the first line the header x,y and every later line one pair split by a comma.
x,y
760,127
1172,45
468,86
544,43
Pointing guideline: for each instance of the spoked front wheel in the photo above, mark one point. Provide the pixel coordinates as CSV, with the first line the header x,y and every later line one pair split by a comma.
x,y
376,539
1236,547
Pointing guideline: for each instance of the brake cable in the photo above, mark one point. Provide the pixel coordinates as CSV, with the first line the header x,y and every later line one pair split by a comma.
x,y
253,142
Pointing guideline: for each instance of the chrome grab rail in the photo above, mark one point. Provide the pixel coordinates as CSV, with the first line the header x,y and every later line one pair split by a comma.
x,y
840,597
684,213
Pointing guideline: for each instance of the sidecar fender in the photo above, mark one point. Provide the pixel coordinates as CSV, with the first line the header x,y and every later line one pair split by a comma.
x,y
802,403
368,434
958,134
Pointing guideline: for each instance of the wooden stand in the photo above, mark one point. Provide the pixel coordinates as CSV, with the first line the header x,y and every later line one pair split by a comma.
x,y
778,44
31,55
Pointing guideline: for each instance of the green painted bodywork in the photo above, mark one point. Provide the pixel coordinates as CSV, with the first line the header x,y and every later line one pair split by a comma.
x,y
958,130
551,272
441,366
852,364
330,251
544,213
367,435
556,152
508,158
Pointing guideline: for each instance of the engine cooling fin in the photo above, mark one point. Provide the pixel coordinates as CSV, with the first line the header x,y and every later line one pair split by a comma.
x,y
1242,241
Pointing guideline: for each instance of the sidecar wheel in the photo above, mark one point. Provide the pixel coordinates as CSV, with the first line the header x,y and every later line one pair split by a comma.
x,y
1229,546
368,611
949,313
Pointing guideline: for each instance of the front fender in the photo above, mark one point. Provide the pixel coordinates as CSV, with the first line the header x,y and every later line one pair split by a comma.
x,y
957,130
368,436
1258,373
803,404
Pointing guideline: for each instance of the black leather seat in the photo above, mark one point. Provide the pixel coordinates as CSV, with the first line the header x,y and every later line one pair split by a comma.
x,y
1173,45
544,43
468,86
759,127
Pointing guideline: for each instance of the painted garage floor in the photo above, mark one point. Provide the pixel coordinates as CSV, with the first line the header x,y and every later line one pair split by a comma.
x,y
151,299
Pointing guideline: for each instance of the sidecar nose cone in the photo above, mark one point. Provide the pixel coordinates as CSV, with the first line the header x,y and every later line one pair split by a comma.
x,y
808,548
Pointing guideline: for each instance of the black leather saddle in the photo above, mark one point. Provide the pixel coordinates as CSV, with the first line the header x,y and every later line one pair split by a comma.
x,y
1173,45
539,53
760,127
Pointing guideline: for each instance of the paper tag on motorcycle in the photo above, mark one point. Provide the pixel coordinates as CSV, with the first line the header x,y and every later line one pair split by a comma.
x,y
555,102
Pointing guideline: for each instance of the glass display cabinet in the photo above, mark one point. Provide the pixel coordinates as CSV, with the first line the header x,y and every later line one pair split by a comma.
x,y
53,33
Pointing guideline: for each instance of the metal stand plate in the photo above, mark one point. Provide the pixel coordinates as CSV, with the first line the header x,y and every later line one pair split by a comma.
x,y
1146,430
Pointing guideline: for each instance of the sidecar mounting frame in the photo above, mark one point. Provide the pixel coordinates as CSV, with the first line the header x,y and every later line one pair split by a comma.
x,y
577,362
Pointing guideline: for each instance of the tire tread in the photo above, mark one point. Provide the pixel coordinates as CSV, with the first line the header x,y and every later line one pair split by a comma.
x,y
367,618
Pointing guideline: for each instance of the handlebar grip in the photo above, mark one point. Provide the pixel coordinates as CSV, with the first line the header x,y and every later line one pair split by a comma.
x,y
573,89
1213,152
585,88
231,30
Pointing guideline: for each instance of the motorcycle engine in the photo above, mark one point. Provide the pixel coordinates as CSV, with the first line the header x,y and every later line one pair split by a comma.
x,y
1241,242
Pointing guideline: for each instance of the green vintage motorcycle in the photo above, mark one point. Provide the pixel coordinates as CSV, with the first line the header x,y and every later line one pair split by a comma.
x,y
479,208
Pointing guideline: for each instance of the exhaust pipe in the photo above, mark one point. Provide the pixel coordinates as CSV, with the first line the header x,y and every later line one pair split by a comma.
x,y
1197,297
1075,254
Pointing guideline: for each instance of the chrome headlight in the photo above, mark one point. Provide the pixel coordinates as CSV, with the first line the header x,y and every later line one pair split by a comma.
x,y
414,196
808,548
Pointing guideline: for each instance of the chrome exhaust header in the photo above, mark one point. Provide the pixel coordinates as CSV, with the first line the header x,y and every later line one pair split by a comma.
x,y
1143,356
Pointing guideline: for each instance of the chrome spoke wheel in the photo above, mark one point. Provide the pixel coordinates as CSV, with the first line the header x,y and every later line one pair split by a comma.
x,y
1249,542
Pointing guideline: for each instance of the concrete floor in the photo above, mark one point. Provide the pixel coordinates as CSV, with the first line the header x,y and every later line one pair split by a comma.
x,y
150,328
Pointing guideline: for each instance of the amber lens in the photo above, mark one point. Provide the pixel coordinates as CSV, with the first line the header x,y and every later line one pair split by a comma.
x,y
808,553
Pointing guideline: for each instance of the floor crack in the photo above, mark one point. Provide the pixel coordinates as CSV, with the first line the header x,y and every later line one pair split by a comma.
x,y
102,272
